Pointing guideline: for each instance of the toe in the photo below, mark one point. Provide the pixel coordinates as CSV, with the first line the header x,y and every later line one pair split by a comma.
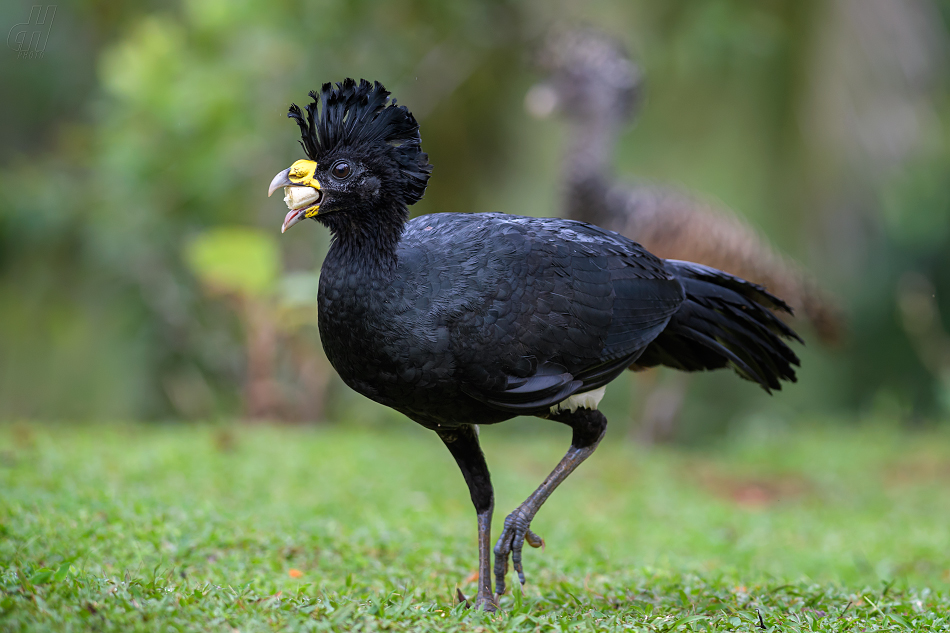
x,y
500,570
501,565
516,560
534,540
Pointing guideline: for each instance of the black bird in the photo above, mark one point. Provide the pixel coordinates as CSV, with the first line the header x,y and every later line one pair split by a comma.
x,y
457,320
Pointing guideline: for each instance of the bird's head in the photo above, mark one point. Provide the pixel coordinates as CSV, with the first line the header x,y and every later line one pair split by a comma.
x,y
365,163
589,76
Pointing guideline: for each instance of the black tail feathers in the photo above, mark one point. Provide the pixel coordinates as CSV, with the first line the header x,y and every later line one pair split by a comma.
x,y
725,321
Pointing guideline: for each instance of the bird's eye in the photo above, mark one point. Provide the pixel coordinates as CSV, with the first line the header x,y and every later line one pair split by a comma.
x,y
340,170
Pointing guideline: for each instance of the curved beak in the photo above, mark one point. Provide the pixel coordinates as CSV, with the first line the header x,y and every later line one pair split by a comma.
x,y
302,192
280,180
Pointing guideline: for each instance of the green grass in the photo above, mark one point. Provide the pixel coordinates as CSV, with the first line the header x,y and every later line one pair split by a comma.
x,y
204,528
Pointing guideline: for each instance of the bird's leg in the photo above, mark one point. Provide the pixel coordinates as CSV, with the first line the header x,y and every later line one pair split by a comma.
x,y
589,426
462,442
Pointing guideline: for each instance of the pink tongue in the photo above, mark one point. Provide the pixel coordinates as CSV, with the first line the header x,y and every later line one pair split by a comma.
x,y
290,219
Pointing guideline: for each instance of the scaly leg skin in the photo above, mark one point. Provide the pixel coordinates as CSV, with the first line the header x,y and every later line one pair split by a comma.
x,y
589,426
463,444
485,599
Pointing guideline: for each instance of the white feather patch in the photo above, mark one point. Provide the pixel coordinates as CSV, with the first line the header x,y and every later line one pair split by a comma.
x,y
586,400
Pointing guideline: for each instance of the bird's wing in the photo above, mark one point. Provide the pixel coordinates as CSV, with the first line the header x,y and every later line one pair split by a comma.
x,y
551,308
550,384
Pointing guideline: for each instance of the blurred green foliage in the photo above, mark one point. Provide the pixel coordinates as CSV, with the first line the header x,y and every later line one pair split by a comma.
x,y
237,260
146,127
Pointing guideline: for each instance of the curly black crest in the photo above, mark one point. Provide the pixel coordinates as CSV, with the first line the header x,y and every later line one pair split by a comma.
x,y
361,115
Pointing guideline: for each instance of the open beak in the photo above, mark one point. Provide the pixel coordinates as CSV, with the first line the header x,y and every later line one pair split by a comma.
x,y
302,197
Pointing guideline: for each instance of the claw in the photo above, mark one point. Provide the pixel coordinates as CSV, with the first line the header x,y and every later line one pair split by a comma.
x,y
512,539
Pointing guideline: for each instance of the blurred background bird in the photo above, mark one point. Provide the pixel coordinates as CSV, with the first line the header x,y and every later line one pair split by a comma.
x,y
596,87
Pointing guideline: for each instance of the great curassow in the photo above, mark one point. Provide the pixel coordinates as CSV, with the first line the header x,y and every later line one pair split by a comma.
x,y
596,87
457,320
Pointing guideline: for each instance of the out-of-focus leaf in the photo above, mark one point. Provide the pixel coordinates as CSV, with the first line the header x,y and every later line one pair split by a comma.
x,y
235,260
42,576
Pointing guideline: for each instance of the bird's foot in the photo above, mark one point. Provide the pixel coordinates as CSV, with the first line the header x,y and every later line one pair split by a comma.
x,y
513,536
486,603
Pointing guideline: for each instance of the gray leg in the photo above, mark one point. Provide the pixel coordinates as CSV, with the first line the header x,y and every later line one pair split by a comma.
x,y
463,444
589,427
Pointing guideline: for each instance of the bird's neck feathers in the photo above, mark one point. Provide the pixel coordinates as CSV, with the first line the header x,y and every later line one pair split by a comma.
x,y
587,175
366,240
